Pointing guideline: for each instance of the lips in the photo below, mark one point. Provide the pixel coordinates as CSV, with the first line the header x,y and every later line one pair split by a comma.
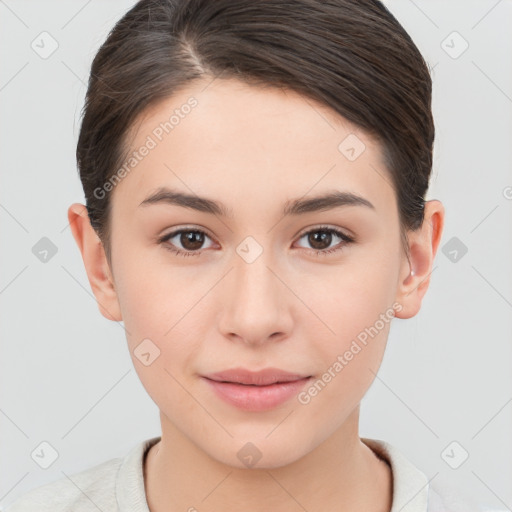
x,y
263,377
256,391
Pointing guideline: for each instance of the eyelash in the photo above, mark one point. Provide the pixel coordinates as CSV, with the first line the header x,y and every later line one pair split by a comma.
x,y
346,240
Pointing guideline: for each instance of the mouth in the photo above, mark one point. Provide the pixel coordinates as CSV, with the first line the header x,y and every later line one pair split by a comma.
x,y
263,377
256,391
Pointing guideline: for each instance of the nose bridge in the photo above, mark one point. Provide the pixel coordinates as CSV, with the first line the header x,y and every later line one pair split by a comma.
x,y
254,303
252,273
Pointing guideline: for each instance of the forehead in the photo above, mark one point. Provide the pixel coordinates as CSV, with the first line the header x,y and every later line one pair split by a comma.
x,y
224,138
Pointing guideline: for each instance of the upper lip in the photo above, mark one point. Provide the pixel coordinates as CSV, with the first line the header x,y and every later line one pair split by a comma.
x,y
259,378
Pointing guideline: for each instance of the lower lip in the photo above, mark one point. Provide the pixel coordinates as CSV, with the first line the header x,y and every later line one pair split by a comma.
x,y
257,398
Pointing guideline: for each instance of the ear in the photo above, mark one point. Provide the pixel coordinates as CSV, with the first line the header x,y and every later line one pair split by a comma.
x,y
95,261
423,243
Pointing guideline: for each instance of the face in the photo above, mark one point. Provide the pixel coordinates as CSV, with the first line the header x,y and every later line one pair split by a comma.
x,y
311,291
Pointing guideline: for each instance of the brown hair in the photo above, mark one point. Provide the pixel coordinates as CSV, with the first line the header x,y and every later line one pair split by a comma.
x,y
351,55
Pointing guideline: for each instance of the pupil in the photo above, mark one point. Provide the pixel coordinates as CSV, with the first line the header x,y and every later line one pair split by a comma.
x,y
325,236
191,240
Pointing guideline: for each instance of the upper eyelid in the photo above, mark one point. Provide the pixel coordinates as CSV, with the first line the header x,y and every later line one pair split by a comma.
x,y
177,231
322,227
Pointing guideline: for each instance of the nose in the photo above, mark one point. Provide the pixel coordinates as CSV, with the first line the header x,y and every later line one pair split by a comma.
x,y
255,302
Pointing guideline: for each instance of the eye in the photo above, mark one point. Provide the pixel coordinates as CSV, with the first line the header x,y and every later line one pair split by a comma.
x,y
322,237
191,241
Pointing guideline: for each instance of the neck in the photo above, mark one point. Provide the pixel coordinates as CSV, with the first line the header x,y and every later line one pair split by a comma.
x,y
341,474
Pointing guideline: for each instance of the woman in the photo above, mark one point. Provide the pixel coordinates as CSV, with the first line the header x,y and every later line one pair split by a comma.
x,y
255,175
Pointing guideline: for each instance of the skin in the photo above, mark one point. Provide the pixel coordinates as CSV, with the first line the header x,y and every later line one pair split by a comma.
x,y
254,149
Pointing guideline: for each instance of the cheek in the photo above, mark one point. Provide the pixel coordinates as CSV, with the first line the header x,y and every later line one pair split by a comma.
x,y
159,320
349,358
354,308
154,304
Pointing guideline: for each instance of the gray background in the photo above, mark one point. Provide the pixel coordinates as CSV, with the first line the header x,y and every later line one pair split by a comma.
x,y
66,377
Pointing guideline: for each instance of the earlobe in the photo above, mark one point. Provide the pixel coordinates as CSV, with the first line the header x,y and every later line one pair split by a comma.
x,y
415,274
95,262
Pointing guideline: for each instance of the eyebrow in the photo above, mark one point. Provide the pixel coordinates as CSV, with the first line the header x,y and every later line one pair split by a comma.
x,y
327,201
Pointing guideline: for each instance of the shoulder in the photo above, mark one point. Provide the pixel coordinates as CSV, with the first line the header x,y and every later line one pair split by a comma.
x,y
412,490
110,486
92,489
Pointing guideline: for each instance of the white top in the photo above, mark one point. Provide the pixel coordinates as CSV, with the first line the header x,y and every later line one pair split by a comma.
x,y
117,485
